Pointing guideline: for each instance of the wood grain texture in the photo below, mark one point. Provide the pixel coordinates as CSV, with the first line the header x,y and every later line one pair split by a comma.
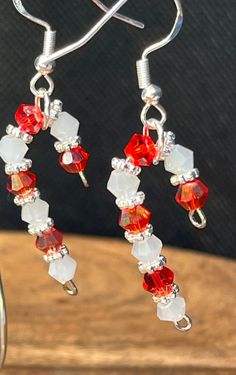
x,y
111,328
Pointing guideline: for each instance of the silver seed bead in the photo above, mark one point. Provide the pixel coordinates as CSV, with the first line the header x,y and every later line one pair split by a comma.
x,y
21,200
151,94
56,109
185,177
169,297
152,267
124,165
13,168
141,236
130,201
55,254
68,144
39,228
16,132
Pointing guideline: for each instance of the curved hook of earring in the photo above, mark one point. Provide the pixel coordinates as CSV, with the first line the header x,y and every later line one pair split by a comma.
x,y
119,16
46,59
3,326
164,41
20,8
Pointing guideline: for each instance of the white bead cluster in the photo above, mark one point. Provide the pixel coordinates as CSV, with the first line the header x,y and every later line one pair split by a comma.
x,y
123,184
34,211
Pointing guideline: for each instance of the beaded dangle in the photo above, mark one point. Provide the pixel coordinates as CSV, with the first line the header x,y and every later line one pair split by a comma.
x,y
142,151
31,119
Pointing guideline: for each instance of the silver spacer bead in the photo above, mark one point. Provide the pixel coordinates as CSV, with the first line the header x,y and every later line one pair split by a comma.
x,y
55,254
168,298
152,267
54,111
130,201
16,132
36,229
124,165
133,237
14,168
21,200
169,143
68,144
185,177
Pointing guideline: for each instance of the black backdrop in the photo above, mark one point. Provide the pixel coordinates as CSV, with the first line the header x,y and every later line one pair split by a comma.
x,y
98,85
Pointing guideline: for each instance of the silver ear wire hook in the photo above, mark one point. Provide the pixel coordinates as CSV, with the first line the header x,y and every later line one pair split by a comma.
x,y
3,326
119,16
51,56
143,69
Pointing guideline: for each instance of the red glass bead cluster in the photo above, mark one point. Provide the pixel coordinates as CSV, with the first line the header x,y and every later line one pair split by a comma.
x,y
141,150
75,160
30,118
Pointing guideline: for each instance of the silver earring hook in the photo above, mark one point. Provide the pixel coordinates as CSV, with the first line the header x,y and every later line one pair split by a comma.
x,y
143,69
51,56
119,16
3,326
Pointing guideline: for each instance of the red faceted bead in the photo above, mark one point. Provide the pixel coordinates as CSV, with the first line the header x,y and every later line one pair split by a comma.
x,y
135,219
49,239
21,183
75,160
29,118
141,149
160,282
192,195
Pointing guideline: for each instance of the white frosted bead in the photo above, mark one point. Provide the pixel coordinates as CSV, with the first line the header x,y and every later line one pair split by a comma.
x,y
147,251
173,311
65,127
12,150
35,212
121,183
180,160
63,269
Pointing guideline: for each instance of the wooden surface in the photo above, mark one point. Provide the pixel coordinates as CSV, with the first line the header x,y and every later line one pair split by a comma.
x,y
111,328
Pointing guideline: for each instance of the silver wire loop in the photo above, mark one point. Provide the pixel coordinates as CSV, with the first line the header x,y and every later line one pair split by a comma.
x,y
41,92
46,106
44,60
200,222
119,16
159,108
184,324
70,288
3,326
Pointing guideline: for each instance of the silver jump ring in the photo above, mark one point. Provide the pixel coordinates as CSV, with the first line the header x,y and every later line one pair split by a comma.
x,y
46,106
184,324
70,288
39,92
200,222
160,109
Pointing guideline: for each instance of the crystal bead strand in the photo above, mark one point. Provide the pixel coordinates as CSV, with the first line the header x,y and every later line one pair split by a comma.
x,y
135,219
22,183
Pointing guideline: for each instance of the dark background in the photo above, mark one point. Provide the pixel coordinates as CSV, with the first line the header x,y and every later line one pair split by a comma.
x,y
98,85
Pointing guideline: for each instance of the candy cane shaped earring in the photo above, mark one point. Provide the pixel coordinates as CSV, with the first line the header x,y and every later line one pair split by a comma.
x,y
124,183
13,148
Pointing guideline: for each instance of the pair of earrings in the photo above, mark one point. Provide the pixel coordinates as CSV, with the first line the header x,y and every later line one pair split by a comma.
x,y
141,151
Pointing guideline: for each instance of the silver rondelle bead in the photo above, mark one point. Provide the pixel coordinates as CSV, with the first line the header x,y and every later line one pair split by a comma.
x,y
21,200
130,201
37,229
151,94
68,144
14,168
141,236
169,143
55,254
56,109
185,177
124,165
152,267
169,297
16,132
